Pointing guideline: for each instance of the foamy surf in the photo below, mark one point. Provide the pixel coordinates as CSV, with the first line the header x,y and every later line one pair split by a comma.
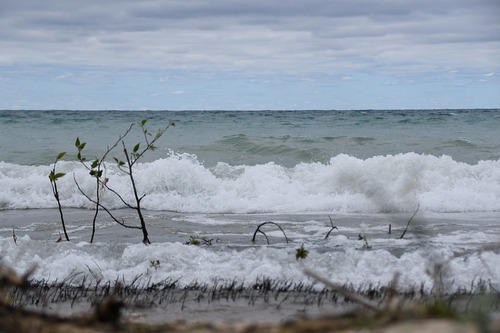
x,y
346,184
360,253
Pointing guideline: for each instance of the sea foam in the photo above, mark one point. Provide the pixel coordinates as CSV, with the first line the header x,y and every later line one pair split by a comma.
x,y
346,184
187,264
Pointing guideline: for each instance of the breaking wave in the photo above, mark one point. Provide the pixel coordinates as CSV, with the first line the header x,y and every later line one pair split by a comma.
x,y
180,182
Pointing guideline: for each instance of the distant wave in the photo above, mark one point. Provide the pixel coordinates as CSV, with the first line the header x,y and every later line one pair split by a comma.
x,y
460,143
293,148
180,182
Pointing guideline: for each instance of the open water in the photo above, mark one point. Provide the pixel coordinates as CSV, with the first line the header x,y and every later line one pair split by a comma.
x,y
217,175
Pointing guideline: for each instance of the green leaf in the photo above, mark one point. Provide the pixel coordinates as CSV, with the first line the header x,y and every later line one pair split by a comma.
x,y
172,123
79,145
94,164
61,155
136,147
120,163
59,175
95,173
143,122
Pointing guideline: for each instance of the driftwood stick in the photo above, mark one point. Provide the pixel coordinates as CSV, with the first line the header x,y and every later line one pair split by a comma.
x,y
408,224
14,236
344,291
441,265
333,227
267,239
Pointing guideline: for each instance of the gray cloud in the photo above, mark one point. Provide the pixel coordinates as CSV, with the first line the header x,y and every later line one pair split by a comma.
x,y
318,36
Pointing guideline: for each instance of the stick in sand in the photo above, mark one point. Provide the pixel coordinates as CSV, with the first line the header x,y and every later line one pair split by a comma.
x,y
344,291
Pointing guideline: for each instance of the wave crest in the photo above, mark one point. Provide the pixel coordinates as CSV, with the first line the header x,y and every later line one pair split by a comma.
x,y
180,182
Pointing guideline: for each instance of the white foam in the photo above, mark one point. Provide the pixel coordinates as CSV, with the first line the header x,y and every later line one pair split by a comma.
x,y
346,184
189,264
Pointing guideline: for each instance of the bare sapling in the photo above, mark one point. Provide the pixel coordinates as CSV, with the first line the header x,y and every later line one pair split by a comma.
x,y
125,165
96,168
54,177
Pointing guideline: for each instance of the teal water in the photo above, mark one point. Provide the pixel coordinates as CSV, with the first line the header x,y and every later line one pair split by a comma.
x,y
254,137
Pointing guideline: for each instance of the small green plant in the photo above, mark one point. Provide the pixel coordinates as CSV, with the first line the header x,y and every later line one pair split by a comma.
x,y
95,170
126,166
54,177
301,253
193,241
154,264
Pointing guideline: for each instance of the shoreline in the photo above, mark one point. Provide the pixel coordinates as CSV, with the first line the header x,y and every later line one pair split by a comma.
x,y
155,297
268,301
235,310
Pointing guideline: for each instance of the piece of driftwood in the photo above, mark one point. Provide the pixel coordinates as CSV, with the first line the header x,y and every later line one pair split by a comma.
x,y
408,224
262,232
333,227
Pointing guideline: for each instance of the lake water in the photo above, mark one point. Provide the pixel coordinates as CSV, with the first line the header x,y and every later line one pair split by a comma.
x,y
217,175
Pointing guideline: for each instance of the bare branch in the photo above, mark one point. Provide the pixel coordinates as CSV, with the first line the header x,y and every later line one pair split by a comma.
x,y
333,227
103,207
408,224
119,196
150,144
269,222
344,291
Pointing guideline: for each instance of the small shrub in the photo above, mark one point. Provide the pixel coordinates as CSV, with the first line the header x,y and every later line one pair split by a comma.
x,y
193,241
301,253
154,264
53,177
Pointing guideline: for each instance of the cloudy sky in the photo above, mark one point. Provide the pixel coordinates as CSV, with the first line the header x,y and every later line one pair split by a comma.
x,y
249,54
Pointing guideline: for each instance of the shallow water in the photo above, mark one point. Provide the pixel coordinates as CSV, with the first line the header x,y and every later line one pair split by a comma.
x,y
230,255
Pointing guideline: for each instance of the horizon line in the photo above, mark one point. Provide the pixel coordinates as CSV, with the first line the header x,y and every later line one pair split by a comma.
x,y
247,110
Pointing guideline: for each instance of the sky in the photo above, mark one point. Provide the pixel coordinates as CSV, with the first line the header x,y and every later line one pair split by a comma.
x,y
249,54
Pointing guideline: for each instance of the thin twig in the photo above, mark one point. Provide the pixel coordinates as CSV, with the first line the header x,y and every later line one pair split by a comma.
x,y
333,227
269,222
103,207
150,144
408,224
439,267
344,291
14,237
